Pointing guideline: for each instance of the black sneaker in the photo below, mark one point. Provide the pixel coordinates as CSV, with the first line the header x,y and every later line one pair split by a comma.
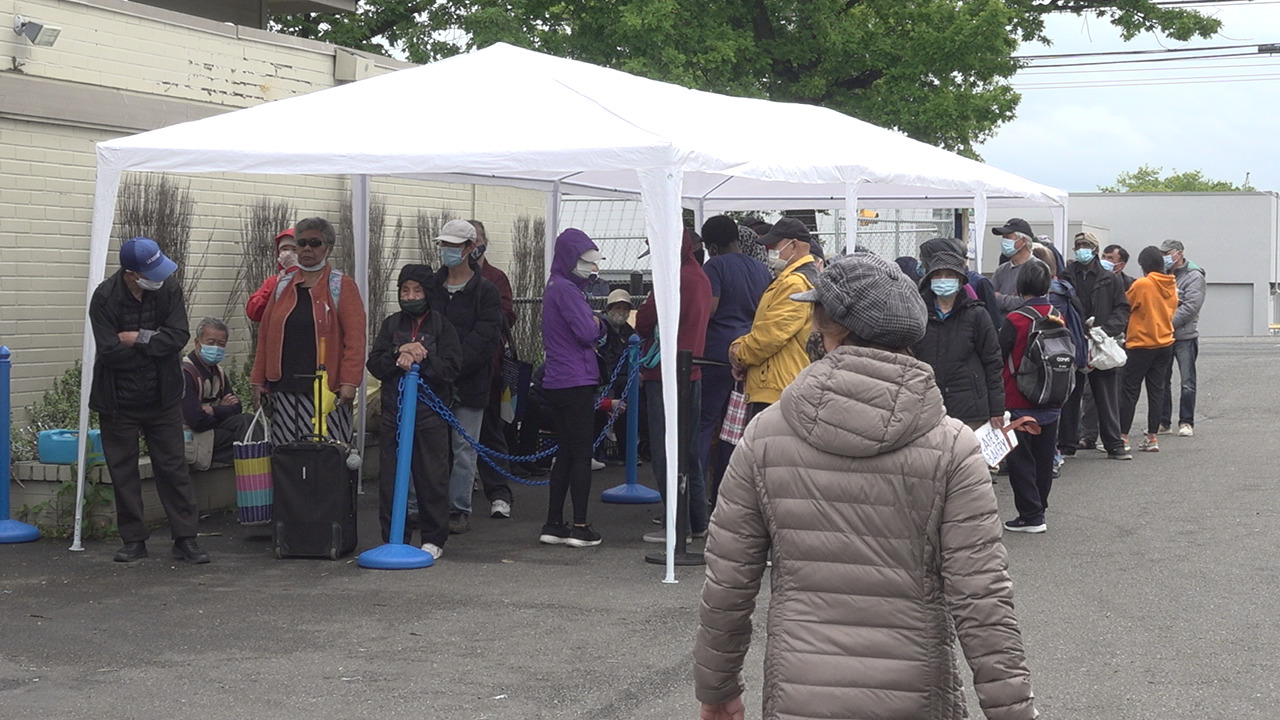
x,y
1023,525
188,549
131,551
1122,454
554,534
583,536
459,523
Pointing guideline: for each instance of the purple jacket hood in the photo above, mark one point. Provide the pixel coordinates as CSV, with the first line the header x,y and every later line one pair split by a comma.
x,y
569,247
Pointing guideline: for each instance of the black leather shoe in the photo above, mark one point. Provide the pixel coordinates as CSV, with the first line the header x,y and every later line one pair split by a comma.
x,y
188,549
131,551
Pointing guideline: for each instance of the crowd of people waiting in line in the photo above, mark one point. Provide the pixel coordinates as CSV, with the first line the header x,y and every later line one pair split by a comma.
x,y
738,310
859,385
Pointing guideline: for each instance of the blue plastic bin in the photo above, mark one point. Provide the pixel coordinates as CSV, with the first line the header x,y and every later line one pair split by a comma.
x,y
58,447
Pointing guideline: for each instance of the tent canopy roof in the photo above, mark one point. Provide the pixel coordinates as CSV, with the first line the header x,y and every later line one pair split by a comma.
x,y
587,127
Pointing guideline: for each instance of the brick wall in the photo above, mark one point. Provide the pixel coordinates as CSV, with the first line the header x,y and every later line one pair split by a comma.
x,y
47,166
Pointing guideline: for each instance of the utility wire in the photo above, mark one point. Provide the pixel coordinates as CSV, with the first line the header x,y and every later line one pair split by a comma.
x,y
1161,51
1145,61
1106,84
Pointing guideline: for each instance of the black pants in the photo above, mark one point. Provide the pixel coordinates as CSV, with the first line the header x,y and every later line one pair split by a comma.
x,y
1088,418
1105,385
163,431
1031,471
1149,365
228,431
493,435
429,475
572,412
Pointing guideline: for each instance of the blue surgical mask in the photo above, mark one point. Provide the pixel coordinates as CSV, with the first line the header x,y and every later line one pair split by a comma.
x,y
451,256
944,287
1008,247
1084,255
1108,265
1168,262
212,354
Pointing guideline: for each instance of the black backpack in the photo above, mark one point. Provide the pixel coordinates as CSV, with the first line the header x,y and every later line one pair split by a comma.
x,y
1047,374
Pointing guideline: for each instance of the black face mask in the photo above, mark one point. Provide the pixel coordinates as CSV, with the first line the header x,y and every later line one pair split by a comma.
x,y
700,256
414,307
478,252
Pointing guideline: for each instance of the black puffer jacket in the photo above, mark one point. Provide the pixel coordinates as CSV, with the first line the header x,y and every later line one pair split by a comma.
x,y
439,370
1101,295
476,313
964,352
148,374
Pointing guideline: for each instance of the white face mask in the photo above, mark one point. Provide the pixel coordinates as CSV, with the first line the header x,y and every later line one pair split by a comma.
x,y
585,269
152,285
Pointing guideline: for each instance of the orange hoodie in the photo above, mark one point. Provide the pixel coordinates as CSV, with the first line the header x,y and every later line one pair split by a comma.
x,y
1152,301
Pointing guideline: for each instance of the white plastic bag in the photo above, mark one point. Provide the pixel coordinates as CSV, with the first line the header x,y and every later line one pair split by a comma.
x,y
1105,353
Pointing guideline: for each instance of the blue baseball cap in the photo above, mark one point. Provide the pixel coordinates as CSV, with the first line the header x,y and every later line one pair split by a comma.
x,y
143,256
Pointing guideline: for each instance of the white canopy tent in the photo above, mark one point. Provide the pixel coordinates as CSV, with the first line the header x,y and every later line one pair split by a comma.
x,y
579,128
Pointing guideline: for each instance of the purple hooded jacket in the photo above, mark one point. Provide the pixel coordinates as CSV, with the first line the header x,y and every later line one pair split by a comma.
x,y
570,329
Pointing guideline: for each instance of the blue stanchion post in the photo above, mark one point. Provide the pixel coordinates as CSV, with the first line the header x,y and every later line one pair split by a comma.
x,y
11,531
632,492
395,554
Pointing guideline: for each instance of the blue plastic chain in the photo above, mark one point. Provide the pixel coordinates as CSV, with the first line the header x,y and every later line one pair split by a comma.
x,y
429,398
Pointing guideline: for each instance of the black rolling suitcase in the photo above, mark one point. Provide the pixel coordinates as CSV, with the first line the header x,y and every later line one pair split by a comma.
x,y
315,497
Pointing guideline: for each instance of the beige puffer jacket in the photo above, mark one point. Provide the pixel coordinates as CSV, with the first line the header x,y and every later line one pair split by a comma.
x,y
886,543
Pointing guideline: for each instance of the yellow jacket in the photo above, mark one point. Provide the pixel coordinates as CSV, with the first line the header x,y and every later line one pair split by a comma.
x,y
774,351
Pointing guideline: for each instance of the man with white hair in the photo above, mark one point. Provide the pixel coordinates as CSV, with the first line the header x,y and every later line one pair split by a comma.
x,y
1016,246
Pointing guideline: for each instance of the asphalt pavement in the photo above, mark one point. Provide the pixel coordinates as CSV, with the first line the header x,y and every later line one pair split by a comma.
x,y
1153,595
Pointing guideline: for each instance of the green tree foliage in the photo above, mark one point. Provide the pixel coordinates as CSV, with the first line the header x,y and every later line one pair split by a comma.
x,y
1148,179
937,70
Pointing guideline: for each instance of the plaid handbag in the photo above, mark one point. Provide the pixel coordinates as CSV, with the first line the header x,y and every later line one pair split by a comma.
x,y
735,417
254,491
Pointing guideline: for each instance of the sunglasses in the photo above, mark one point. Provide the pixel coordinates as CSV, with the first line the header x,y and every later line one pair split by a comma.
x,y
313,242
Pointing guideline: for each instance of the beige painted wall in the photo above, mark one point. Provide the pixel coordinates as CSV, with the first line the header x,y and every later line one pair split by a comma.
x,y
120,68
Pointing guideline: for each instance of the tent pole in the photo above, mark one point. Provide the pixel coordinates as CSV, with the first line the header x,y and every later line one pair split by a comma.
x,y
979,229
851,217
360,230
660,191
104,211
699,215
1060,226
552,229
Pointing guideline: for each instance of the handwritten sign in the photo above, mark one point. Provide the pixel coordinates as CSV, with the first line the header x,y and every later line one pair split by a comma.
x,y
995,444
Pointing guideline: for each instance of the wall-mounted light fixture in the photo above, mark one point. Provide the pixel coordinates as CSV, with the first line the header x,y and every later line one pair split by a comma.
x,y
38,33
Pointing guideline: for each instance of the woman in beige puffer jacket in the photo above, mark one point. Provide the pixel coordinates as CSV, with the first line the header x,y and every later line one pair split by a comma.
x,y
882,523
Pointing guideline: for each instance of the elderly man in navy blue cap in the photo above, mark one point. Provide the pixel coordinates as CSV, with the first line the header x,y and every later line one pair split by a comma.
x,y
140,328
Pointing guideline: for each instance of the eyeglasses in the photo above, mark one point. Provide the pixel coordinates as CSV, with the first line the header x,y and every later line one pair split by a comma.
x,y
313,242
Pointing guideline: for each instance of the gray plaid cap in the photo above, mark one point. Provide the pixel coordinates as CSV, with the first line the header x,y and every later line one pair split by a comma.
x,y
872,298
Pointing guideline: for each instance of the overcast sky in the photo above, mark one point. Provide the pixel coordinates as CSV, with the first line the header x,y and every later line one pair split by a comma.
x,y
1196,119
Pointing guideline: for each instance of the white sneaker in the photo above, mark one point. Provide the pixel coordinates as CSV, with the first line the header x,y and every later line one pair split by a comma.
x,y
500,509
435,550
596,464
1185,430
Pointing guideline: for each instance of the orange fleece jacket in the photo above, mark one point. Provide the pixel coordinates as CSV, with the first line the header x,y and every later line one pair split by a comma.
x,y
344,331
1152,301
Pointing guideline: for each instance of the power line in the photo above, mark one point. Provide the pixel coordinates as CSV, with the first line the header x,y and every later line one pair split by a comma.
x,y
1145,61
1160,51
1106,84
1180,68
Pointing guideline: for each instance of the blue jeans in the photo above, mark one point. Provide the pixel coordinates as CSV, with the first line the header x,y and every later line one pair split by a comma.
x,y
1185,353
698,513
462,479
